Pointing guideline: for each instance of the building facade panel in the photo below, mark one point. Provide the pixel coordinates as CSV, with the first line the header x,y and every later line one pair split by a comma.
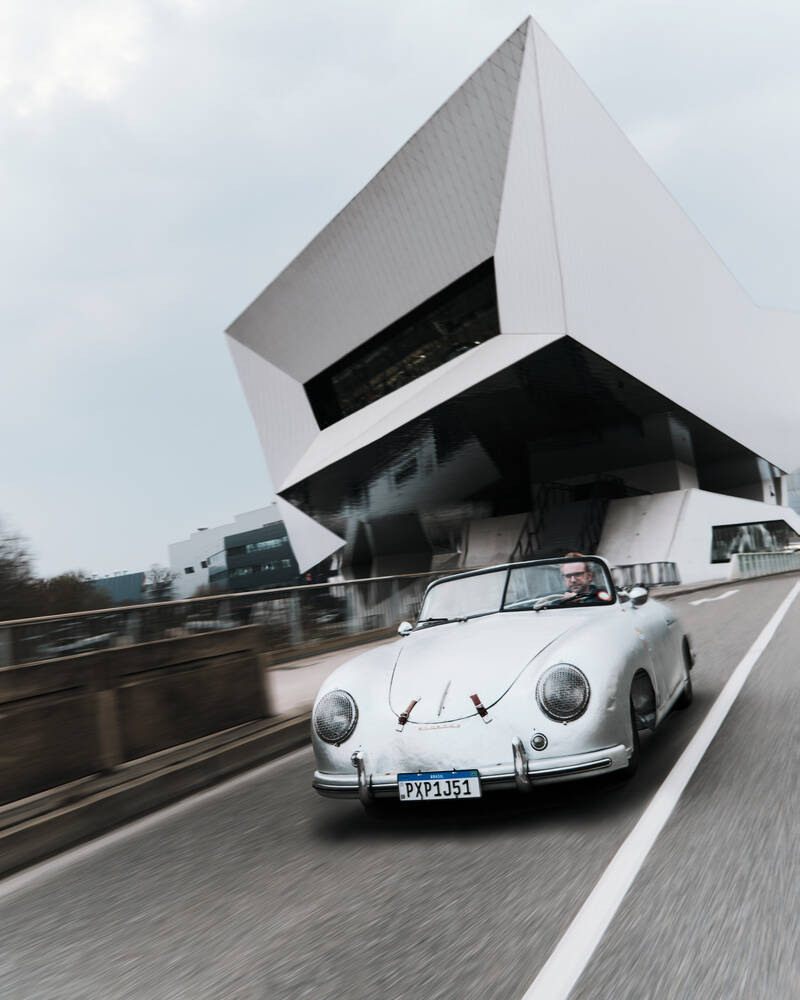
x,y
427,218
529,291
621,364
679,527
642,285
280,409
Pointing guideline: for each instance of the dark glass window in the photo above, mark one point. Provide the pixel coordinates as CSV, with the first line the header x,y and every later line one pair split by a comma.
x,y
756,536
243,571
454,320
265,543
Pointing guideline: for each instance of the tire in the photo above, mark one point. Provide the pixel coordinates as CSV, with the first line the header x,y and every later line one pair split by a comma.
x,y
685,698
627,772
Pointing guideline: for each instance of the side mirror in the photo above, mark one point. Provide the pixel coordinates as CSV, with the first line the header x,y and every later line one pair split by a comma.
x,y
404,628
639,595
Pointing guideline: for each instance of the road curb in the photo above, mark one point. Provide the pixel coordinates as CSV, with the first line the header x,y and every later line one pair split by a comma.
x,y
103,806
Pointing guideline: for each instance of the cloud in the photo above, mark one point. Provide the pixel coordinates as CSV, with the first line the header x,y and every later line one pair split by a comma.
x,y
85,49
76,48
164,159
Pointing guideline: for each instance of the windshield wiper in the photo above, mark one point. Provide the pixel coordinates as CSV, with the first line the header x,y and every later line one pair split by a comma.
x,y
439,621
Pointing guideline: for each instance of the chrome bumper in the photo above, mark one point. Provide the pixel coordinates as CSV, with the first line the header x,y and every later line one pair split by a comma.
x,y
521,773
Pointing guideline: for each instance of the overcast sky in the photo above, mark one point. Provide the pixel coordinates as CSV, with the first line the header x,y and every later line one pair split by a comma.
x,y
163,160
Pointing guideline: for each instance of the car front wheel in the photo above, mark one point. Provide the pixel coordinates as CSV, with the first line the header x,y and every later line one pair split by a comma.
x,y
633,763
685,698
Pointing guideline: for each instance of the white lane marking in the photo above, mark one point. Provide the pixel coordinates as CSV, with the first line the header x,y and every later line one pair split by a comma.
x,y
46,869
572,953
705,600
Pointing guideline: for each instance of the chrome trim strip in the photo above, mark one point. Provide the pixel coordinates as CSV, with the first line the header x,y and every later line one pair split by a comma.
x,y
367,788
593,765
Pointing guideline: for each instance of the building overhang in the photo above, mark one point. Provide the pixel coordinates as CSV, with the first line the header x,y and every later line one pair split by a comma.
x,y
523,168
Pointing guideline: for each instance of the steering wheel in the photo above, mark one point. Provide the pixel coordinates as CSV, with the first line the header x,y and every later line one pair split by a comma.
x,y
548,599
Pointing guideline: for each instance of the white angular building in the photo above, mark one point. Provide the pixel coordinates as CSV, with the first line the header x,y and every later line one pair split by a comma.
x,y
514,340
191,558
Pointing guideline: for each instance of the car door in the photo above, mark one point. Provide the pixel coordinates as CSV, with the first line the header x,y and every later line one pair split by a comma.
x,y
662,630
641,628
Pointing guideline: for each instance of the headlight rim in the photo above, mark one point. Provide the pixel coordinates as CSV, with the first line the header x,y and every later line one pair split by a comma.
x,y
540,701
336,742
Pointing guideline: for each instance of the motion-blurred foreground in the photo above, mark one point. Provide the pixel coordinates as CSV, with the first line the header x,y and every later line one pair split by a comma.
x,y
265,890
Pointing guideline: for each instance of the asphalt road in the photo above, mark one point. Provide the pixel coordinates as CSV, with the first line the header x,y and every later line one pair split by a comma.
x,y
261,889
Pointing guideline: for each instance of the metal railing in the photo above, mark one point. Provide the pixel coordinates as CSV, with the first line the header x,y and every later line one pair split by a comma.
x,y
748,564
651,574
292,618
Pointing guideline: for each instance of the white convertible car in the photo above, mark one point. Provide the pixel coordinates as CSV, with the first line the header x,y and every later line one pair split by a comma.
x,y
513,676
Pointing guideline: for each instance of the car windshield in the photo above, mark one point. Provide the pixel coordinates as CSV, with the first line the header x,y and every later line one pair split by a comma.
x,y
566,583
554,583
464,596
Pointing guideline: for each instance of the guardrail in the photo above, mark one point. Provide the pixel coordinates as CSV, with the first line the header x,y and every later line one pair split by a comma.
x,y
748,564
290,618
91,714
651,574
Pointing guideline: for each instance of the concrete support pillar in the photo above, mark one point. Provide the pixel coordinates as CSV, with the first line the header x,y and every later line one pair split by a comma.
x,y
108,730
295,620
6,647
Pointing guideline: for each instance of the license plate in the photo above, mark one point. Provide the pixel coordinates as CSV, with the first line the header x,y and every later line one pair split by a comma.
x,y
439,785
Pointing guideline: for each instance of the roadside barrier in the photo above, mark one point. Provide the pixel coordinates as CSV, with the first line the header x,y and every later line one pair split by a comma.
x,y
294,621
95,713
651,574
749,564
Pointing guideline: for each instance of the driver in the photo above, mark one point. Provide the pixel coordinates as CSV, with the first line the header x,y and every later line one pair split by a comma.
x,y
578,579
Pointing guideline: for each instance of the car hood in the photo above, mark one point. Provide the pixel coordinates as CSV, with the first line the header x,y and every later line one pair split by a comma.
x,y
443,665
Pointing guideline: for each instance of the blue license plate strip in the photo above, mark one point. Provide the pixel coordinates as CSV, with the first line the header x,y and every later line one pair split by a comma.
x,y
439,785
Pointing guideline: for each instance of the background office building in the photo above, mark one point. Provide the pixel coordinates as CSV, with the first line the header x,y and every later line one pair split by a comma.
x,y
122,588
254,560
513,342
252,552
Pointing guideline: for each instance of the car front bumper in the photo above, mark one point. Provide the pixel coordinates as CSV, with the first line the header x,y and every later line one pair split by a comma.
x,y
521,773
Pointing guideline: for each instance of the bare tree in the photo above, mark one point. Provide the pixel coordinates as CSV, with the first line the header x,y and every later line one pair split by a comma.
x,y
72,591
23,595
18,585
159,582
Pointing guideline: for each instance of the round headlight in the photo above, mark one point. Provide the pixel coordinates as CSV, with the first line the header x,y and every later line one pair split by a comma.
x,y
335,717
563,692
